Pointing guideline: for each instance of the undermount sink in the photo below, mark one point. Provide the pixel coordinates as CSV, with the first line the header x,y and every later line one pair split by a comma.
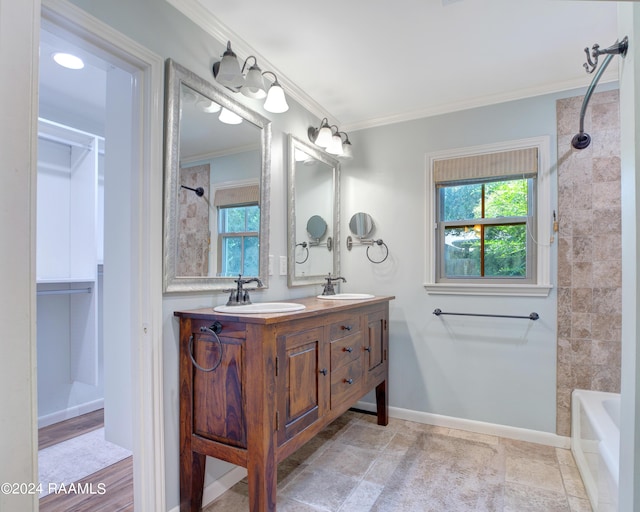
x,y
347,296
261,307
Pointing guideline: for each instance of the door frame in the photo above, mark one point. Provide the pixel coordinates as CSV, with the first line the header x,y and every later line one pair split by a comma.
x,y
147,69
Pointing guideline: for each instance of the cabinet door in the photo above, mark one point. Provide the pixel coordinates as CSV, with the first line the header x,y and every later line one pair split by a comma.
x,y
219,394
302,381
376,344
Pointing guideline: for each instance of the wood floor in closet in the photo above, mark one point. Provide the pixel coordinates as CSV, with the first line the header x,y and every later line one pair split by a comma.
x,y
117,478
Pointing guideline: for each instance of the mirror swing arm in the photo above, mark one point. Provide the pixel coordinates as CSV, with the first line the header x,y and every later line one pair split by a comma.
x,y
362,226
313,242
175,77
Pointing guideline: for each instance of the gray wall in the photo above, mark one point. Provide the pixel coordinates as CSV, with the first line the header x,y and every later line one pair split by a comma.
x,y
497,371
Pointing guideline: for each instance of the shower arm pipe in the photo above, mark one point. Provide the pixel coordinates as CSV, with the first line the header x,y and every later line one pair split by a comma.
x,y
592,87
581,140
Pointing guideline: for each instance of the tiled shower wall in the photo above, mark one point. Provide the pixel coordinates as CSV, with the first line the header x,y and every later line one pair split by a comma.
x,y
589,252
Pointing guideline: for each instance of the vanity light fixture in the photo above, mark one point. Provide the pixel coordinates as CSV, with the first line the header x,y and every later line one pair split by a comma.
x,y
329,138
347,149
227,72
254,82
321,136
276,101
335,146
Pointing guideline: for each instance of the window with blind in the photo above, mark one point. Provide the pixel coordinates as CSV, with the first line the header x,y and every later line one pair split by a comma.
x,y
238,230
486,219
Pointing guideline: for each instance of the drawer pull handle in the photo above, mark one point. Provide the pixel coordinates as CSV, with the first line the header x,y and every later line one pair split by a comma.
x,y
347,349
346,327
348,381
323,371
368,349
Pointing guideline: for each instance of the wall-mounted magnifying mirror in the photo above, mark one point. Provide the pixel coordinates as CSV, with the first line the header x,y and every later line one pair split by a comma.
x,y
316,228
313,204
361,225
217,166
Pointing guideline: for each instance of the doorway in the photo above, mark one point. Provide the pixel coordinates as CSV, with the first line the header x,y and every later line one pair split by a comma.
x,y
84,364
128,301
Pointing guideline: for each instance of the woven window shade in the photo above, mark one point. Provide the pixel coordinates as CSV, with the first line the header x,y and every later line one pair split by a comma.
x,y
491,165
236,196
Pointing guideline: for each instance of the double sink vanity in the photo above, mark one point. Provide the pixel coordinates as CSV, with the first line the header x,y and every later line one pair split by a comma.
x,y
257,381
254,387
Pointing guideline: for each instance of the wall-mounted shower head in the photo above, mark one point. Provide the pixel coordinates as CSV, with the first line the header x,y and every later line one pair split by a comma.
x,y
582,140
199,191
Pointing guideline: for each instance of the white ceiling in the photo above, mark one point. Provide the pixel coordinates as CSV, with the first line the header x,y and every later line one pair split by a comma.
x,y
371,62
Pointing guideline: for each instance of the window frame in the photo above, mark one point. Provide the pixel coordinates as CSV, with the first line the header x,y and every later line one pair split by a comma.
x,y
540,235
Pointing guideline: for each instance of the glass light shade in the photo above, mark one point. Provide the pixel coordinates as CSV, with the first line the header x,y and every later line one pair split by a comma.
x,y
276,101
335,146
347,150
323,139
228,117
208,106
229,73
254,84
300,156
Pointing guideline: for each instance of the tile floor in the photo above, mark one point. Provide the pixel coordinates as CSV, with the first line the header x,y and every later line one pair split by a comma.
x,y
355,465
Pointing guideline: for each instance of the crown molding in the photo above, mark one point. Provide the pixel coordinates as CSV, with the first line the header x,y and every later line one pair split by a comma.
x,y
206,20
480,101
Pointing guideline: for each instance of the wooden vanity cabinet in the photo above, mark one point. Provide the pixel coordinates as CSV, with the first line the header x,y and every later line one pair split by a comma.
x,y
277,380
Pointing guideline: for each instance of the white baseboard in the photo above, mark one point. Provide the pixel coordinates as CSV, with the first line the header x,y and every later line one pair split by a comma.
x,y
70,412
480,427
220,486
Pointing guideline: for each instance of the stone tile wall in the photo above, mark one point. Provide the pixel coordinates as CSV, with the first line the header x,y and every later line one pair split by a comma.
x,y
589,252
193,223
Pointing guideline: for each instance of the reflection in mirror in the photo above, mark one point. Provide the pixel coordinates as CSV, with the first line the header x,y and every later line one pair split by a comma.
x,y
313,203
316,228
361,225
216,186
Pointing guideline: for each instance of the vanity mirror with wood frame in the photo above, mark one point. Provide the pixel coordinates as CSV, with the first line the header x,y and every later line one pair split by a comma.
x,y
217,172
313,232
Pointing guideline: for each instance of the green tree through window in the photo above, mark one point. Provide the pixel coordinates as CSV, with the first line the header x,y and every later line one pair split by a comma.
x,y
238,241
484,228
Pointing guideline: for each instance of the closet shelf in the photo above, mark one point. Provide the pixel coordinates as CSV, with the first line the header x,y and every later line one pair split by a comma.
x,y
67,280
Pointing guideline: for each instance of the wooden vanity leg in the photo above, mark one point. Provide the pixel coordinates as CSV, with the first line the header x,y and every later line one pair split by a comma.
x,y
191,481
260,369
262,477
382,403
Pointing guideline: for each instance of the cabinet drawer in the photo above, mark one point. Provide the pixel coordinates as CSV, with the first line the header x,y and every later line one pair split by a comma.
x,y
345,382
345,350
346,326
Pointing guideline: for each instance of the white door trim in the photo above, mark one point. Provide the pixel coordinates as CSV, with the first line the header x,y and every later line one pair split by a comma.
x,y
147,355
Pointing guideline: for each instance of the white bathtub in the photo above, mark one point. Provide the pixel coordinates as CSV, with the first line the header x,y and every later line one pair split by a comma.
x,y
595,444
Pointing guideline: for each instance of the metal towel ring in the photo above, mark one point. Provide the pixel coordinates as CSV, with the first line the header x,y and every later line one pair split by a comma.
x,y
305,246
378,242
216,326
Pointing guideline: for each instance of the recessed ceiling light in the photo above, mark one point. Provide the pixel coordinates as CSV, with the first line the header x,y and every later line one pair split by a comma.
x,y
68,60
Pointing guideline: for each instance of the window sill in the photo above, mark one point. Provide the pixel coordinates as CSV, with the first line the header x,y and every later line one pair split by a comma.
x,y
510,290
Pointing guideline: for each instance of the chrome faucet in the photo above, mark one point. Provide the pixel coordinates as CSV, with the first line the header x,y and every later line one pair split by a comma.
x,y
328,286
238,295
